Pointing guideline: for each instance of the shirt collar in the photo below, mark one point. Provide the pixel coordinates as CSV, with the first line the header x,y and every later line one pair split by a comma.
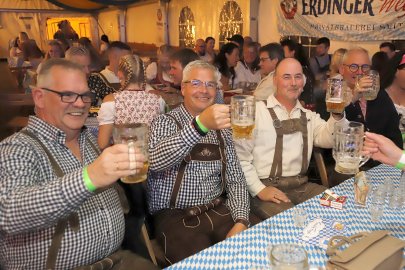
x,y
48,131
273,102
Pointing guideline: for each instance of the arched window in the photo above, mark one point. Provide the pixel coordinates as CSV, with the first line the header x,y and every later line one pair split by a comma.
x,y
230,21
186,28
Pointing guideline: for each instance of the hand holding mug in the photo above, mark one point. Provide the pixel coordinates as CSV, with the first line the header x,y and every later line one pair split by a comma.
x,y
216,117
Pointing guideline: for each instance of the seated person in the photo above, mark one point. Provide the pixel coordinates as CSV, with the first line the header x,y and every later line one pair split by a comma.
x,y
378,115
226,61
60,207
275,161
158,72
270,54
132,104
106,81
194,166
247,69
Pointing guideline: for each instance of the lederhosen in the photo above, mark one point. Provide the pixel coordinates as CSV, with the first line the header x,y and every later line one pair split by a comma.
x,y
200,216
297,188
282,128
73,218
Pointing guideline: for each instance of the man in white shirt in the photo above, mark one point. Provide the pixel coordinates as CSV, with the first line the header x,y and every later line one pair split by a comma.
x,y
247,69
275,161
200,49
269,56
116,50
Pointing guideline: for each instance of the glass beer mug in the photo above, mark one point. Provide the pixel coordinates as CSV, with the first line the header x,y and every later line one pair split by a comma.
x,y
347,147
335,95
289,256
243,109
135,135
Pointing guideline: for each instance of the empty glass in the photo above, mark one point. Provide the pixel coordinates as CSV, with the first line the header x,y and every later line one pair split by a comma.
x,y
376,206
289,256
299,216
243,109
396,200
389,187
348,146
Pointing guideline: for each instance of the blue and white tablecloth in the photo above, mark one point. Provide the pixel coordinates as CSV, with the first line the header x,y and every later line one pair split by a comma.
x,y
249,248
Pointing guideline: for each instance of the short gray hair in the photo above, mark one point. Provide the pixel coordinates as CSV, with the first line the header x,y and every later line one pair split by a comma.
x,y
76,50
354,50
200,64
43,75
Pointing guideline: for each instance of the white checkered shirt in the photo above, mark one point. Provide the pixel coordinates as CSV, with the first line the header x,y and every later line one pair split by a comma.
x,y
33,199
202,181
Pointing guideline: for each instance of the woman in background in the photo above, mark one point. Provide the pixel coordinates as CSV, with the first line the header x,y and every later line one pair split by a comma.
x,y
209,49
131,104
226,61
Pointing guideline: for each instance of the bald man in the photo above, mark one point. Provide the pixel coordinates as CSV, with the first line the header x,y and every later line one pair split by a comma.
x,y
199,48
275,161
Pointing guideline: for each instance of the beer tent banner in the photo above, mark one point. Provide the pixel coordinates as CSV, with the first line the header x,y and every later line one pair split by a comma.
x,y
345,20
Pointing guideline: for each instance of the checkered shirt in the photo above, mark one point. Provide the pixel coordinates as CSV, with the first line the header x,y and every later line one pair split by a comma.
x,y
202,181
33,199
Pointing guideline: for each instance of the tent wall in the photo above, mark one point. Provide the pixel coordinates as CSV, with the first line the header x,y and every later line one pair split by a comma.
x,y
141,23
108,22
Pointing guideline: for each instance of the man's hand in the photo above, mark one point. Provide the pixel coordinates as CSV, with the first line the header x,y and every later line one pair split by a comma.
x,y
361,86
381,148
216,117
272,194
114,163
237,228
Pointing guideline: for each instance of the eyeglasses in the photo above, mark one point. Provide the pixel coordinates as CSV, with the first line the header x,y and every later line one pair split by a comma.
x,y
71,97
354,67
262,59
210,85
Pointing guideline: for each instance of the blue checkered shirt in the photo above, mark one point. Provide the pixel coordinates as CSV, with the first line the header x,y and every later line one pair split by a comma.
x,y
202,181
33,199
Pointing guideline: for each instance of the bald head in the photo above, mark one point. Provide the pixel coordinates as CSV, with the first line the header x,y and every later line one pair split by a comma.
x,y
200,47
289,81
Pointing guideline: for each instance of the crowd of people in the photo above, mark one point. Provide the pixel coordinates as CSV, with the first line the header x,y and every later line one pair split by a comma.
x,y
61,204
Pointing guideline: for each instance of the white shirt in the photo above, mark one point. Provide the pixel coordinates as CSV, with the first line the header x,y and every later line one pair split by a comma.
x,y
256,155
152,72
265,88
244,74
110,75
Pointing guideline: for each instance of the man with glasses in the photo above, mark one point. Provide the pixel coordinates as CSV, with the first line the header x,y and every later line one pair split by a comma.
x,y
196,188
378,115
59,206
269,56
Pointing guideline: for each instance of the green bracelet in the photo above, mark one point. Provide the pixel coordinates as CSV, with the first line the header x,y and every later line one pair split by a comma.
x,y
401,162
200,125
87,181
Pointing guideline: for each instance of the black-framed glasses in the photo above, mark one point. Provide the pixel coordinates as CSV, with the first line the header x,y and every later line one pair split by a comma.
x,y
197,84
262,59
71,97
354,67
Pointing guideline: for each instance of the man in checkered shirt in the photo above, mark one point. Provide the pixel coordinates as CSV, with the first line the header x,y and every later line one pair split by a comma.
x,y
50,173
196,188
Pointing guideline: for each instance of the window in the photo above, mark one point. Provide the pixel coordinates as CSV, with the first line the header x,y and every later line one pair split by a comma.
x,y
186,28
230,21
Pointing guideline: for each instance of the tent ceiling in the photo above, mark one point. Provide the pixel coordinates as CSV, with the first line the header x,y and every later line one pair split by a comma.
x,y
89,5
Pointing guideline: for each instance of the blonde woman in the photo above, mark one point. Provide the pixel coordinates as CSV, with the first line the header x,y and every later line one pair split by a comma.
x,y
131,104
336,61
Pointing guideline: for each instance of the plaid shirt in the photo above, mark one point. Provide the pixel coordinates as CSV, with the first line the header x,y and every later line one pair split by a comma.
x,y
33,199
201,182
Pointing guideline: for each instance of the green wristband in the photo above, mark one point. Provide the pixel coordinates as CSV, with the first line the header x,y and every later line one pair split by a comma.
x,y
401,162
200,125
87,181
403,137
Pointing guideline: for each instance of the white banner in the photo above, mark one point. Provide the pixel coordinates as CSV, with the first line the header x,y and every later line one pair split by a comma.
x,y
346,20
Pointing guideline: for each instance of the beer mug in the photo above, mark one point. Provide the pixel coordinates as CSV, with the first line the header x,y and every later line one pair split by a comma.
x,y
289,256
136,136
371,92
335,95
243,109
348,146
